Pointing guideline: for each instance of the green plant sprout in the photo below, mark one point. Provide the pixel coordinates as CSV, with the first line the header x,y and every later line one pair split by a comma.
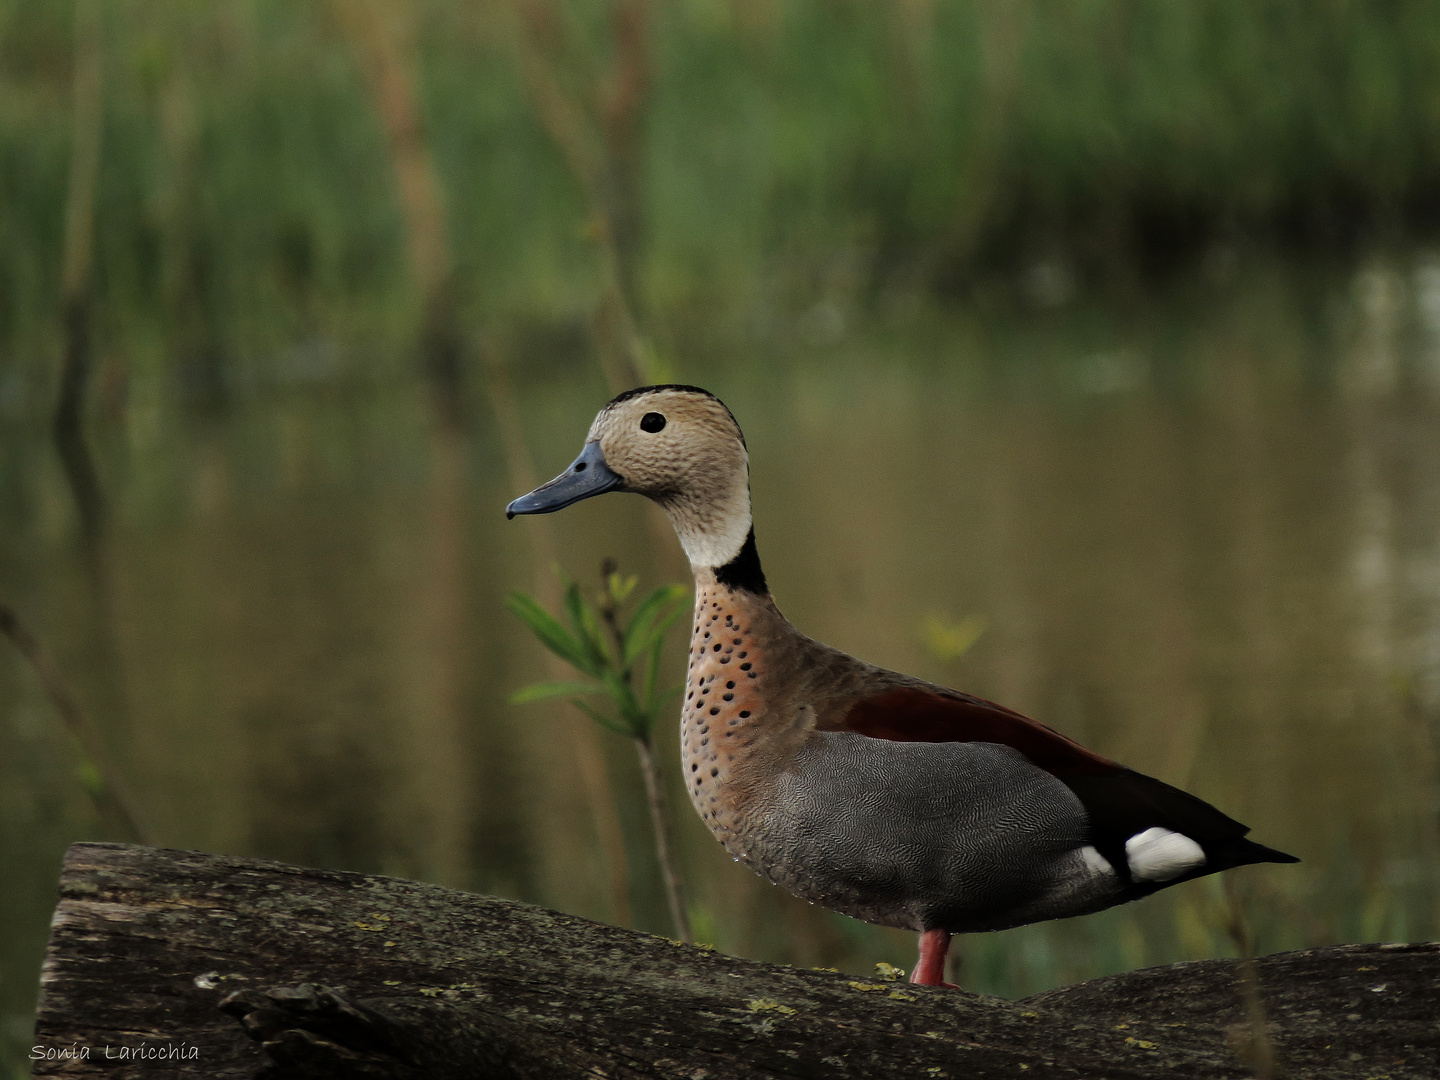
x,y
621,662
949,639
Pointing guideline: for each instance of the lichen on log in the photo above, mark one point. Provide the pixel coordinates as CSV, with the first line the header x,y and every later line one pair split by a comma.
x,y
177,964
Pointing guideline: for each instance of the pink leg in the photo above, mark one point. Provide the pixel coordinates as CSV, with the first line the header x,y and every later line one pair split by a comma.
x,y
930,968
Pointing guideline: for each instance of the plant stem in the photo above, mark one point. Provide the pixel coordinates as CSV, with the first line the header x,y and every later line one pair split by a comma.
x,y
382,35
79,255
90,742
659,818
593,164
1258,1050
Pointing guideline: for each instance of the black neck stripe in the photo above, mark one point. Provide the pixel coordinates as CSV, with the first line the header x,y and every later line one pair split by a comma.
x,y
743,571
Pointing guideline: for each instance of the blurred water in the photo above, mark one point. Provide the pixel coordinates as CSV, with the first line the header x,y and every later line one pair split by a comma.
x,y
1203,535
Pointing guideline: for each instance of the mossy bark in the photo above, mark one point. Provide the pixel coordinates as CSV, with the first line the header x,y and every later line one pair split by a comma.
x,y
345,975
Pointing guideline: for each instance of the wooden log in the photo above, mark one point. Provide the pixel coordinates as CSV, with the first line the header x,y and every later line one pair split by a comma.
x,y
181,964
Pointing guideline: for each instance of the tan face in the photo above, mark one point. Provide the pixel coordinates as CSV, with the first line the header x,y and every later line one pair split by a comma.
x,y
669,444
678,446
684,450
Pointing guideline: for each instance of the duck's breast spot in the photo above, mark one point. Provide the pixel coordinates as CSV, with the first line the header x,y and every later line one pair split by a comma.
x,y
720,701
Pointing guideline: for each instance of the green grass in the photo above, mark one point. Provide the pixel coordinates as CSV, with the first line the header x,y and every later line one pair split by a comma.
x,y
790,153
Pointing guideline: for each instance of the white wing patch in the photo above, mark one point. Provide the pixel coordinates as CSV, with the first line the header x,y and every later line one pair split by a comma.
x,y
1160,855
1095,862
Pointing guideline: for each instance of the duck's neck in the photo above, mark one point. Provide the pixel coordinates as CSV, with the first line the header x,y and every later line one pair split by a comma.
x,y
720,542
715,530
743,571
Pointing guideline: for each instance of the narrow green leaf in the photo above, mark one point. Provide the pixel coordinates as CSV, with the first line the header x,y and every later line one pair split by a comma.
x,y
551,633
586,627
619,587
90,778
654,704
596,634
658,706
642,637
601,719
652,675
545,691
651,605
624,698
574,603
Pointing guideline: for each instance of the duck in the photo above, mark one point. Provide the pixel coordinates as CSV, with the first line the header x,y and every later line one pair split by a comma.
x,y
888,798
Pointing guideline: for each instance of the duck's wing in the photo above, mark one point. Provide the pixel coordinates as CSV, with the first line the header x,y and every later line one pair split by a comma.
x,y
1122,805
919,714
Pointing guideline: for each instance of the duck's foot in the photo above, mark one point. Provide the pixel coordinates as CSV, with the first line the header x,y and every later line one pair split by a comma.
x,y
930,968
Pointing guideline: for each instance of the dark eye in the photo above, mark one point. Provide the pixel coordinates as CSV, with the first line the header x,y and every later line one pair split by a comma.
x,y
652,422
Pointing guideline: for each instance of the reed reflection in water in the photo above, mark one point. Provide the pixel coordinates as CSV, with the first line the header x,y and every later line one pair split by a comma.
x,y
1203,537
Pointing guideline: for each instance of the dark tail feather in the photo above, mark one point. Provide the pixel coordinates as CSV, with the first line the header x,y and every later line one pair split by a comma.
x,y
1241,852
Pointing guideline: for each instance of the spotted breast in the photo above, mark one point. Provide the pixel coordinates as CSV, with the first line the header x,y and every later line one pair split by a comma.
x,y
723,737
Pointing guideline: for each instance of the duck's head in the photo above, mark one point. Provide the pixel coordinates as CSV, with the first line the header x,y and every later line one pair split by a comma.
x,y
677,445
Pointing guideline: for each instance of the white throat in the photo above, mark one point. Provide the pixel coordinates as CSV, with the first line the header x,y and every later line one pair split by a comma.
x,y
712,532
